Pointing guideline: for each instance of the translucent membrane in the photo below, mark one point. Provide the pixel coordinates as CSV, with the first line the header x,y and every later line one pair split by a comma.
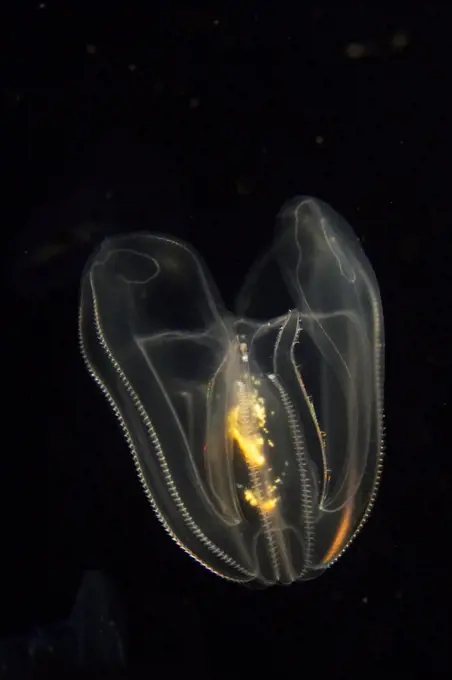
x,y
257,435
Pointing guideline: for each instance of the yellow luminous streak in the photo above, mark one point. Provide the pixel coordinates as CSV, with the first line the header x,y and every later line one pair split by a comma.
x,y
268,506
341,536
251,447
265,505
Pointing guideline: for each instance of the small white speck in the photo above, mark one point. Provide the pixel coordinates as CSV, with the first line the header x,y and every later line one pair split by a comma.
x,y
132,67
355,51
42,5
216,22
194,103
365,600
400,40
319,139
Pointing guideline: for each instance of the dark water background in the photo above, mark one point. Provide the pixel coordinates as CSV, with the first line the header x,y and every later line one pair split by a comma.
x,y
201,123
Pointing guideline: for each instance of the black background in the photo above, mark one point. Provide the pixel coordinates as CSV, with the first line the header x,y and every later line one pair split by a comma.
x,y
201,123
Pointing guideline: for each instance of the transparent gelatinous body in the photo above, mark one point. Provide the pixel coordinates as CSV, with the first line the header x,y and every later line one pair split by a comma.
x,y
257,435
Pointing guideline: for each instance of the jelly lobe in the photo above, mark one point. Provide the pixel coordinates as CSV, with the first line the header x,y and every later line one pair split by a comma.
x,y
262,472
